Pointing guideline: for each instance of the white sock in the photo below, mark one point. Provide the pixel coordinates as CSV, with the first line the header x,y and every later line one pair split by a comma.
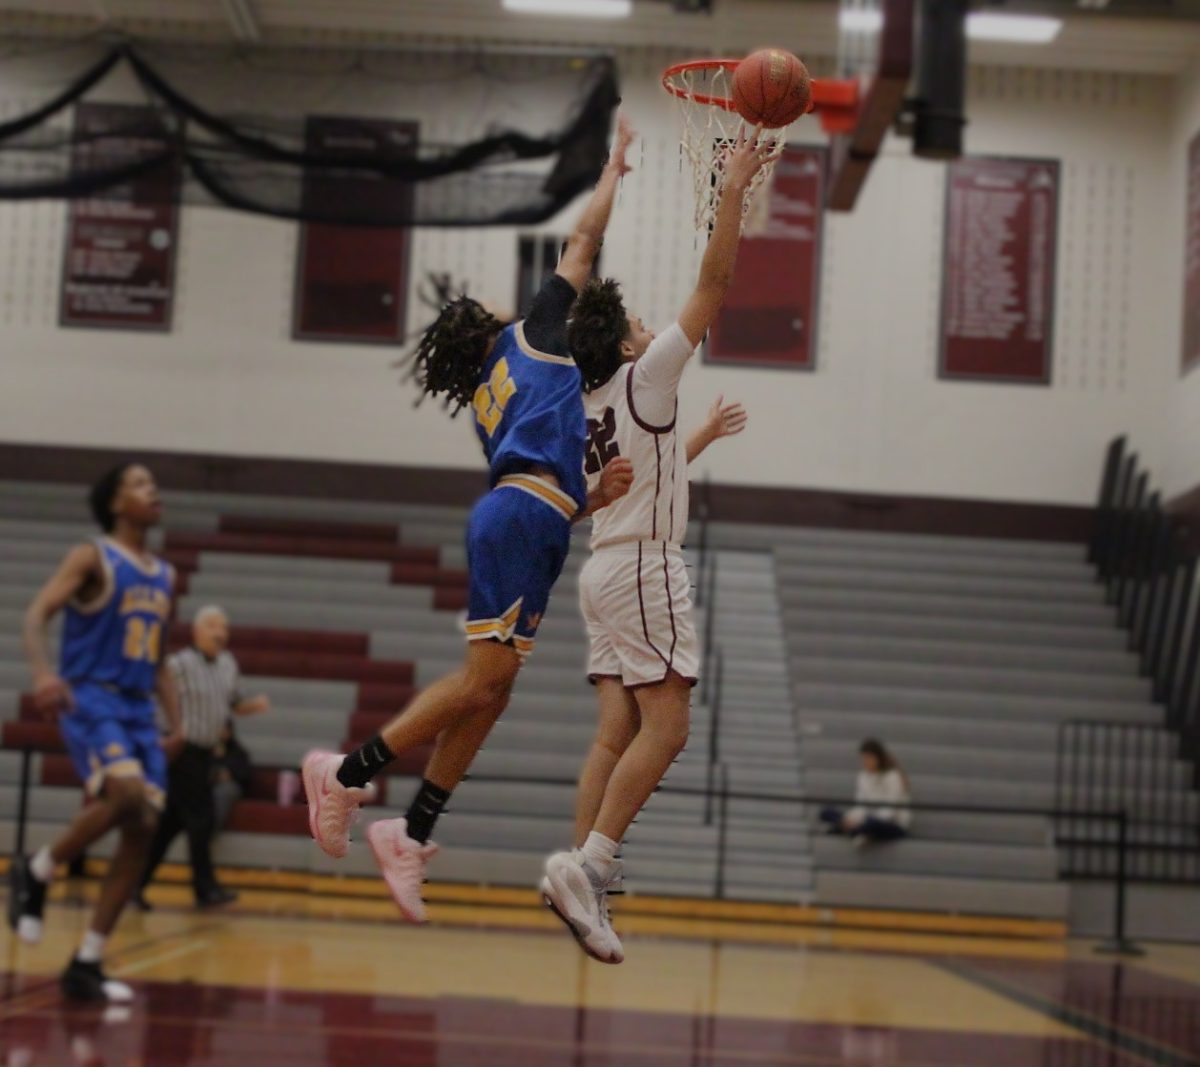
x,y
92,948
600,852
42,865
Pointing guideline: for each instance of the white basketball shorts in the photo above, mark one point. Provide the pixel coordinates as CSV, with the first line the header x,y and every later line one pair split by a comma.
x,y
637,605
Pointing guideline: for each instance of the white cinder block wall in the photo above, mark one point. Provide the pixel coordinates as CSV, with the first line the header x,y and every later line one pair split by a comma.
x,y
1183,455
873,417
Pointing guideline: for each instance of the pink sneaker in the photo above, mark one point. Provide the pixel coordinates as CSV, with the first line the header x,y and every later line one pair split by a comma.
x,y
332,806
402,861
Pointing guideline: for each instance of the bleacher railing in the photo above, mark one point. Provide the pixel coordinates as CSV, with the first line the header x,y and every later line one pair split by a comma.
x,y
1138,768
1149,571
711,659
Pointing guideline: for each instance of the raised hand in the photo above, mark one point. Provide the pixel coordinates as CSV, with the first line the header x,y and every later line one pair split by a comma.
x,y
725,420
746,158
625,136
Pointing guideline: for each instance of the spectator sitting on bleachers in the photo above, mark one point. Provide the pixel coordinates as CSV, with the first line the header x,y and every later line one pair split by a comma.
x,y
881,797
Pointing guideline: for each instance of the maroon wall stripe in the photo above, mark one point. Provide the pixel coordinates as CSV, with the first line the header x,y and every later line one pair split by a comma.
x,y
449,486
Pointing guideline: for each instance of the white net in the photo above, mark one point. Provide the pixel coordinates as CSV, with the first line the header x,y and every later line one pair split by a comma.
x,y
708,131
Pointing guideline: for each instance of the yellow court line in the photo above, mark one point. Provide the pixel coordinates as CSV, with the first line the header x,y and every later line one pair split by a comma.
x,y
671,907
336,890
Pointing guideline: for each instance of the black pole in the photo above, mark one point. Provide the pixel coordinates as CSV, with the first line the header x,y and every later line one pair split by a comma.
x,y
722,824
714,731
23,802
1119,944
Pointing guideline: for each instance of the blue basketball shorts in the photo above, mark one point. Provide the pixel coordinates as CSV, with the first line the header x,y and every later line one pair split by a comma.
x,y
111,733
517,542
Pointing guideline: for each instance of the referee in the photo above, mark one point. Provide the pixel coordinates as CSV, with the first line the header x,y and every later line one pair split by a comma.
x,y
208,680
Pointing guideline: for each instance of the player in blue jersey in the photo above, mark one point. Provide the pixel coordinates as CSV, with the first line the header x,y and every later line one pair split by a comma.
x,y
525,393
116,602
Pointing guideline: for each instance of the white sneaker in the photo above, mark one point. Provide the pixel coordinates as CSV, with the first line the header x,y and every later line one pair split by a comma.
x,y
577,894
402,862
331,805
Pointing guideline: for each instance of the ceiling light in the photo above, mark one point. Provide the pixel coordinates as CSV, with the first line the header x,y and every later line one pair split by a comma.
x,y
1022,29
590,9
860,20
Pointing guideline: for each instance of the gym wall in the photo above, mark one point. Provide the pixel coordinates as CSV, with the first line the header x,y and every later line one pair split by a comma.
x,y
872,417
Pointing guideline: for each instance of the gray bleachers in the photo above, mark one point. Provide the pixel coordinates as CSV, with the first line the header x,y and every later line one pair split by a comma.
x,y
964,654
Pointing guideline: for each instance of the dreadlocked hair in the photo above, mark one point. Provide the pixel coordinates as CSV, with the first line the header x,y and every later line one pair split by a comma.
x,y
598,326
452,351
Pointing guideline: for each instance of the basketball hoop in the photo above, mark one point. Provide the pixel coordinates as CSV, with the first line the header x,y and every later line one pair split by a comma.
x,y
703,90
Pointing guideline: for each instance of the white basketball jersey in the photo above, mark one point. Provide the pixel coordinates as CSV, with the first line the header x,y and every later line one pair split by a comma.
x,y
656,507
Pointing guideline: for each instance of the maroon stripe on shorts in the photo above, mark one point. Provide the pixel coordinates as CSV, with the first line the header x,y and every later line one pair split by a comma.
x,y
642,607
670,607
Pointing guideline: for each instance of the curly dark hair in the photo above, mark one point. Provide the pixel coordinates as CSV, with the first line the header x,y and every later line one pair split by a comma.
x,y
598,325
453,349
104,492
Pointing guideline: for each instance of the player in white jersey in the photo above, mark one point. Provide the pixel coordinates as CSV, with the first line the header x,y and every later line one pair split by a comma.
x,y
634,591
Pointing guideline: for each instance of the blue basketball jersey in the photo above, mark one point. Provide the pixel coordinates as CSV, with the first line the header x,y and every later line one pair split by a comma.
x,y
529,410
118,639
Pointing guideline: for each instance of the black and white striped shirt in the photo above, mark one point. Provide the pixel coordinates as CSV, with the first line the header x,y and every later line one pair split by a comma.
x,y
208,691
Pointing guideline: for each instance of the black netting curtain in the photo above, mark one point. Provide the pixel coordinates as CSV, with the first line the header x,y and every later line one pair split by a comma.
x,y
475,162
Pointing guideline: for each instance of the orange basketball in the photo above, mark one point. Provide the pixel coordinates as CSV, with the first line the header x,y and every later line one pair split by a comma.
x,y
772,88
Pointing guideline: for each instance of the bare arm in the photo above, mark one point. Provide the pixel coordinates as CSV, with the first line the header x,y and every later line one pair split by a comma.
x,y
253,705
724,420
716,269
615,480
81,566
583,246
167,690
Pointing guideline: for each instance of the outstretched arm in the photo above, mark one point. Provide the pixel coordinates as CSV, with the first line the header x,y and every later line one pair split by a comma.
x,y
583,246
716,269
724,420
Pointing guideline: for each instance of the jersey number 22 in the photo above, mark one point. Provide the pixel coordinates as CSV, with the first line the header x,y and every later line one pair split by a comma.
x,y
602,449
492,397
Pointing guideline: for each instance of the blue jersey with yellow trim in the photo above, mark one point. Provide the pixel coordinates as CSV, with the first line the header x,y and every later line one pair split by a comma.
x,y
529,411
118,638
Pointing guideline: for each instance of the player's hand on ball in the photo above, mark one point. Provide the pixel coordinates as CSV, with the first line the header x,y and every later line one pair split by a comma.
x,y
746,158
625,136
726,420
51,694
615,480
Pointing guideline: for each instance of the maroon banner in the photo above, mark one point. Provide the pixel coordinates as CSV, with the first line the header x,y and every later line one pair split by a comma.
x,y
769,318
119,266
1001,228
352,281
1191,289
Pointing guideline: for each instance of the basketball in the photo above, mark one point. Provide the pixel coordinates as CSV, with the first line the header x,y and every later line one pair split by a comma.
x,y
772,88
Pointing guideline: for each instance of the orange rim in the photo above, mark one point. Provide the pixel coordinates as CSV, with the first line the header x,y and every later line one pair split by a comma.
x,y
699,64
828,94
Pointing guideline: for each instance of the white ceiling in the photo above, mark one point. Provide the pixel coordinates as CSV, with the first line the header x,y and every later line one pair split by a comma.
x,y
808,28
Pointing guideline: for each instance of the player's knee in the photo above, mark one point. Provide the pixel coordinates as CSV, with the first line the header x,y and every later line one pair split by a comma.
x,y
614,741
489,696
